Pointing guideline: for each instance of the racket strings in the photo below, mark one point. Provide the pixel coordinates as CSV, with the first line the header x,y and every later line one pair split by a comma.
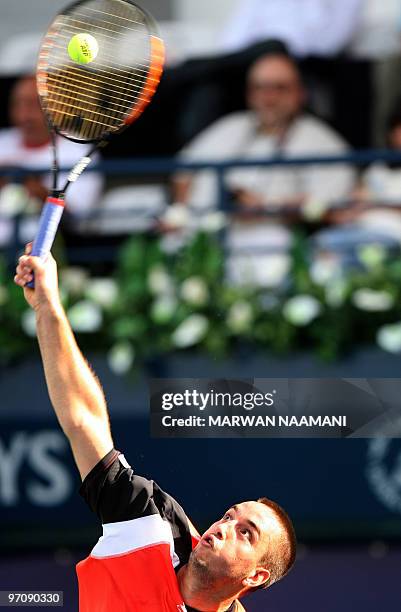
x,y
121,18
105,27
61,92
86,102
80,79
99,65
86,109
117,16
67,123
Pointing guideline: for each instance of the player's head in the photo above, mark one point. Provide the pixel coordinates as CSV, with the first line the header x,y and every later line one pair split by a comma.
x,y
275,90
252,546
25,112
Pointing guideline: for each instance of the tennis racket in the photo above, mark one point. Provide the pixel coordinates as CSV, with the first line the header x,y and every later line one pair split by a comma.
x,y
99,65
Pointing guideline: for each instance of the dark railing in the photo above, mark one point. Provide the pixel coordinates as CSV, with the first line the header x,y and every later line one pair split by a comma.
x,y
165,167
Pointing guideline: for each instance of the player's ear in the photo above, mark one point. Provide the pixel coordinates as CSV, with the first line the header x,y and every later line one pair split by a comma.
x,y
260,576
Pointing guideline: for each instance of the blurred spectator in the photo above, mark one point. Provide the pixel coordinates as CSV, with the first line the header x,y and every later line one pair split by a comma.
x,y
27,145
382,181
208,88
308,27
378,200
375,216
274,125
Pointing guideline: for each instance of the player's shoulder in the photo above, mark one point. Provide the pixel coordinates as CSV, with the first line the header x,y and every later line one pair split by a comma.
x,y
116,492
128,503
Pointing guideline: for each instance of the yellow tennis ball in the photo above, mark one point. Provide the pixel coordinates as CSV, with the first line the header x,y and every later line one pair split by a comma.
x,y
83,48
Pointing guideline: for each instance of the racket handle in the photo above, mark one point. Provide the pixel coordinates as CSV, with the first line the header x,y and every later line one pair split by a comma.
x,y
48,224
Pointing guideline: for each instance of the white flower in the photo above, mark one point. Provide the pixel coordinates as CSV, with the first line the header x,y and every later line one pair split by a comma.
x,y
194,291
239,317
371,255
74,280
190,331
213,222
275,270
159,280
28,322
177,216
336,292
85,317
314,209
103,291
372,301
121,357
267,271
172,242
389,338
163,309
324,270
301,309
3,296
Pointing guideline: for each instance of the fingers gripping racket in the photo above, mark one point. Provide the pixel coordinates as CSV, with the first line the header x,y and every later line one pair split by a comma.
x,y
99,65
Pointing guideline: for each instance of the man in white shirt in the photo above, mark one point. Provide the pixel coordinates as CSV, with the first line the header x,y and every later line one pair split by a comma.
x,y
27,145
274,125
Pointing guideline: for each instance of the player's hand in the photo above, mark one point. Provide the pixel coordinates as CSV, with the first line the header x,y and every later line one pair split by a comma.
x,y
46,293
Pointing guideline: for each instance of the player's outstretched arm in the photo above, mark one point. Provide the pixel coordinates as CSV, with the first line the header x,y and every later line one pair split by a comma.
x,y
74,390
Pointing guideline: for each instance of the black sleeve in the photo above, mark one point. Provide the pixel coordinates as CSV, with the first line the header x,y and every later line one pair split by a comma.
x,y
115,493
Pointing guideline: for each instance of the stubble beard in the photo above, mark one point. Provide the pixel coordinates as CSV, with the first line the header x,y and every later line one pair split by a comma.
x,y
200,570
216,582
208,575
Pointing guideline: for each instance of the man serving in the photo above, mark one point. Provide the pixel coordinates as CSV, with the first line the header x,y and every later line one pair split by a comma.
x,y
150,558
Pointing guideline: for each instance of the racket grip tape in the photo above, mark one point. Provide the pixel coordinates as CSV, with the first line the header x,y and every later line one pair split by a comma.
x,y
48,224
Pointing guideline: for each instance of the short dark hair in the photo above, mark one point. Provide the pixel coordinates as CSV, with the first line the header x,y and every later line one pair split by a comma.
x,y
280,558
281,54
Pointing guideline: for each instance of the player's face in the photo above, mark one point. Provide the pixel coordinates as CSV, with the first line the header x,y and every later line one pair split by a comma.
x,y
231,549
26,114
275,91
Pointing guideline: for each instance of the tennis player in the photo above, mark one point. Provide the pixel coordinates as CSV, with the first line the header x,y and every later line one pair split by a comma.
x,y
150,557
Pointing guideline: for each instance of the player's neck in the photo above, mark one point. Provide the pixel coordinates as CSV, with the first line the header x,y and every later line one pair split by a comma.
x,y
200,596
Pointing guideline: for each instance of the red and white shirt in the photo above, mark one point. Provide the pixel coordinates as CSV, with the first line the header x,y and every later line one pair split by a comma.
x,y
146,537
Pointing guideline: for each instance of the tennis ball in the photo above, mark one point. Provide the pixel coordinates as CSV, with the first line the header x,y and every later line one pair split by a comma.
x,y
83,48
